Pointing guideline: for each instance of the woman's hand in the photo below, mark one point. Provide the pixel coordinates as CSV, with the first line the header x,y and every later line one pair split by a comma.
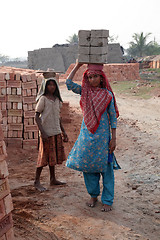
x,y
112,145
78,64
65,137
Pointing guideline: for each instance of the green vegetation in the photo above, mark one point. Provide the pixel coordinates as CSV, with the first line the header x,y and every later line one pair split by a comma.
x,y
140,46
73,39
140,88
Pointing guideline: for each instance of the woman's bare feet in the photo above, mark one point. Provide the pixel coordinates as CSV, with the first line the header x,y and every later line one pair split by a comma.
x,y
106,208
39,187
56,182
92,202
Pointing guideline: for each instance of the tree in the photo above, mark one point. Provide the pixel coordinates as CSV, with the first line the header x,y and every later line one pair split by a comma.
x,y
140,46
3,58
73,39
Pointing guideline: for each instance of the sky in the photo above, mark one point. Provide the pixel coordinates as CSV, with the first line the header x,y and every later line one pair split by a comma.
x,y
26,25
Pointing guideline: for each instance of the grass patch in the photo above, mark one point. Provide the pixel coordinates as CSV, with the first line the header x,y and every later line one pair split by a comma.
x,y
143,88
153,70
124,86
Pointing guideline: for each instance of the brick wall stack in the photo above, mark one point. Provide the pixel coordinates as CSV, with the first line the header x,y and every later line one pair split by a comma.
x,y
6,206
29,92
114,72
14,109
18,91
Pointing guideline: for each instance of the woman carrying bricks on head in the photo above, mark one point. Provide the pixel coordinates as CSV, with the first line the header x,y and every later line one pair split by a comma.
x,y
92,153
51,150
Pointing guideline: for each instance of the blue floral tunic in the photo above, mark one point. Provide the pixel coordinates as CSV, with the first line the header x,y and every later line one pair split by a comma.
x,y
90,152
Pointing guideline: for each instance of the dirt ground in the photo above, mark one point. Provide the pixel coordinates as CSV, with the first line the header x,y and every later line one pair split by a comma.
x,y
61,212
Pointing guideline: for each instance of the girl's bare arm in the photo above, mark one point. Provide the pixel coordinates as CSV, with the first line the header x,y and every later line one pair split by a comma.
x,y
65,137
38,121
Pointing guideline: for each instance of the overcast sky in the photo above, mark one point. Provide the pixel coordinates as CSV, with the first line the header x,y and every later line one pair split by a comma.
x,y
26,25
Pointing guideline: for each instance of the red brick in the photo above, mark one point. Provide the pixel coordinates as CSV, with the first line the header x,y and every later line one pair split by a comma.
x,y
11,76
29,85
0,116
13,91
3,149
28,77
1,134
29,93
9,105
15,127
8,203
14,119
24,92
31,99
30,128
14,98
4,188
33,77
30,106
2,76
14,105
16,113
14,84
6,224
3,169
10,234
34,92
19,91
2,209
18,76
19,119
4,106
39,80
36,134
3,237
3,98
19,134
24,77
25,107
9,90
25,135
29,114
2,84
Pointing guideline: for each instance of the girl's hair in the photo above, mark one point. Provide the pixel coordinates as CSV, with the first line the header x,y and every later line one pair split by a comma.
x,y
56,92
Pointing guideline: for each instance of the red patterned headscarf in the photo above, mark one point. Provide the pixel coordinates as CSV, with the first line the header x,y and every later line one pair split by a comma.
x,y
95,100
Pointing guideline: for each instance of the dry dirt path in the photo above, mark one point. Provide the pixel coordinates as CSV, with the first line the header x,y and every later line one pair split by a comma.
x,y
61,213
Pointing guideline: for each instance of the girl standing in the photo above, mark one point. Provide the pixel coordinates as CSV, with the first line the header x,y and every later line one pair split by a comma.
x,y
92,153
51,150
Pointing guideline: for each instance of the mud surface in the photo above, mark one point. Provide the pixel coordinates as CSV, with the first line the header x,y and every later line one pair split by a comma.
x,y
61,212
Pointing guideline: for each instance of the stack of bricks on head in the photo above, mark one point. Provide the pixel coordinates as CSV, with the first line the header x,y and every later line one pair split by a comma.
x,y
93,46
18,91
6,206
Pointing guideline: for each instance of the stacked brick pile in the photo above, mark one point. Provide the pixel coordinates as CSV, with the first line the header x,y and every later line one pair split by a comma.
x,y
93,46
29,93
18,91
114,72
6,206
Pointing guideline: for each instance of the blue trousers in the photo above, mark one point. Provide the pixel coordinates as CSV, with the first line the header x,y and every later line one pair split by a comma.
x,y
93,186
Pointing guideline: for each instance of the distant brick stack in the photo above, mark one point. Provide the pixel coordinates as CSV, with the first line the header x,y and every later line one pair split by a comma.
x,y
6,206
18,91
114,72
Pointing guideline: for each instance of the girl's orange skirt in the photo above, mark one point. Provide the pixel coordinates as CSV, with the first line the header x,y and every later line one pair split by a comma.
x,y
51,151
